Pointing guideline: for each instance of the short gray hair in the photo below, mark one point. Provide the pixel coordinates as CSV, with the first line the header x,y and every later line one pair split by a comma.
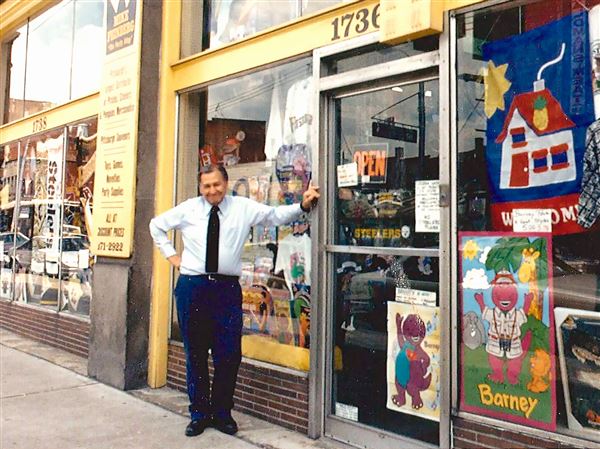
x,y
211,168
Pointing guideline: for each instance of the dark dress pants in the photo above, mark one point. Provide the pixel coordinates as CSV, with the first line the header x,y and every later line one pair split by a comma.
x,y
210,317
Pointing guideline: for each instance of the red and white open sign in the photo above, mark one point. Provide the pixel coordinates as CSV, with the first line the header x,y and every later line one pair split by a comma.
x,y
371,160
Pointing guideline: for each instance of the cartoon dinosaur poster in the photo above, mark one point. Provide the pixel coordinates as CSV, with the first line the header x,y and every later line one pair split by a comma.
x,y
507,352
413,373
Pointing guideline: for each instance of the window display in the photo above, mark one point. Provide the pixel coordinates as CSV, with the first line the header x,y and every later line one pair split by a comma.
x,y
527,199
579,348
46,221
258,126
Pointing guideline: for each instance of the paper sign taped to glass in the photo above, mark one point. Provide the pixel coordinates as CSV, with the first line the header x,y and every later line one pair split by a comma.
x,y
579,349
413,354
538,104
507,346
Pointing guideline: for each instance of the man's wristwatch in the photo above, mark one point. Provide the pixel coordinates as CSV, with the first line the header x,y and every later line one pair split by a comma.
x,y
304,209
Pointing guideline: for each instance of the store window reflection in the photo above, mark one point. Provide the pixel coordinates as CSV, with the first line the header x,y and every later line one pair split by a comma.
x,y
226,21
49,46
38,213
55,57
76,259
529,239
9,240
259,126
16,77
46,206
88,40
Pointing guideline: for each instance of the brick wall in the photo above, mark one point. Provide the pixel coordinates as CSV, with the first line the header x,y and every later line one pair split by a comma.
x,y
56,329
473,435
267,393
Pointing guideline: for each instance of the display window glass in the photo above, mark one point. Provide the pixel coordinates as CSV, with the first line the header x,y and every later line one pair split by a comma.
x,y
49,58
8,237
46,220
227,21
382,334
259,126
56,57
528,192
389,148
16,72
369,55
88,44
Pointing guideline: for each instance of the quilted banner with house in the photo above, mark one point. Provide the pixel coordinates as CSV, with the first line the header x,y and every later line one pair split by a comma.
x,y
538,104
507,345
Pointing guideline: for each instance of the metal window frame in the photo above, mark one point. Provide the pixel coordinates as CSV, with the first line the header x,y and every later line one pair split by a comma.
x,y
337,86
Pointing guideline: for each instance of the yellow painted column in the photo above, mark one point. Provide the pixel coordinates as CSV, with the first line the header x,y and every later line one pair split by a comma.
x,y
165,178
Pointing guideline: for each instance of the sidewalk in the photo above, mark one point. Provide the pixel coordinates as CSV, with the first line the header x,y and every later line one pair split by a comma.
x,y
43,405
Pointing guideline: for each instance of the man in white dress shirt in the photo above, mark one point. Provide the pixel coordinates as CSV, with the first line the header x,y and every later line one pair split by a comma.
x,y
214,227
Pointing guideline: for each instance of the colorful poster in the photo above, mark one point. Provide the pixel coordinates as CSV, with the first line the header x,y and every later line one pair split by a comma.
x,y
413,354
507,347
579,349
538,104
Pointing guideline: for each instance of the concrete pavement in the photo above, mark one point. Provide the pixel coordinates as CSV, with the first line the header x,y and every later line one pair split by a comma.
x,y
46,406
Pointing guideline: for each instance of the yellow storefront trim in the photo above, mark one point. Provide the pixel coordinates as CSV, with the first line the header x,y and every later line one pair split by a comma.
x,y
269,46
60,115
14,13
161,288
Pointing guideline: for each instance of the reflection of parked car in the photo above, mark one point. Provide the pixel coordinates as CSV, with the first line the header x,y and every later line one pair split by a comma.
x,y
75,255
18,241
9,240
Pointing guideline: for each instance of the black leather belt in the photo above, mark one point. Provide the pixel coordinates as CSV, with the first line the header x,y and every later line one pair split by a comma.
x,y
219,277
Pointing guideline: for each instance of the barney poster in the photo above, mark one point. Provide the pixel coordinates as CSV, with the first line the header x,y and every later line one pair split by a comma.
x,y
507,344
413,355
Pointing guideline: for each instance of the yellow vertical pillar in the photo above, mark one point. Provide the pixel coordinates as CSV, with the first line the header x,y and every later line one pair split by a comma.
x,y
165,178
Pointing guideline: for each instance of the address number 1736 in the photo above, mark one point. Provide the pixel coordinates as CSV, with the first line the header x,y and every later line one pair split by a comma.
x,y
354,23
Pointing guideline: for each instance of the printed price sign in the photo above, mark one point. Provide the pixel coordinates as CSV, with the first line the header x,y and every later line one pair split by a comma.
x,y
532,220
347,175
427,206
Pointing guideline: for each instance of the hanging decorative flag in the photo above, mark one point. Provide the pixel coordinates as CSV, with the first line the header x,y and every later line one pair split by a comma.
x,y
535,145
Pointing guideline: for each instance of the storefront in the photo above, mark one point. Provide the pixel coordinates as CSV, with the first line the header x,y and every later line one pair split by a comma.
x,y
444,294
71,100
47,169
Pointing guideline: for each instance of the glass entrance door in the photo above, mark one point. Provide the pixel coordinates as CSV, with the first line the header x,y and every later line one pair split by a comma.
x,y
382,257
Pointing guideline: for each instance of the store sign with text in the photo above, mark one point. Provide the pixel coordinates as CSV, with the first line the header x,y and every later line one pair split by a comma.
x,y
114,188
371,160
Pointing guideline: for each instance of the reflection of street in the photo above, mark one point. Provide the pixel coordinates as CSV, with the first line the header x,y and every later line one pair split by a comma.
x,y
75,291
42,289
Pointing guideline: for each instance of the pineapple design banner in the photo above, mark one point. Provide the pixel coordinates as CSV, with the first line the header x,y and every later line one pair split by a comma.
x,y
538,105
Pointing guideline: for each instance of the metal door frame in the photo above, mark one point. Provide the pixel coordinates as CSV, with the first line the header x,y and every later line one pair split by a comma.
x,y
413,68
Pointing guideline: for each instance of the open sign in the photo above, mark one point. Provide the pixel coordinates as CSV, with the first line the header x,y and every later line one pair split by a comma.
x,y
371,160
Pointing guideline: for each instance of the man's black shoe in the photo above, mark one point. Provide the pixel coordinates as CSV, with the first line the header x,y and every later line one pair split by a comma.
x,y
197,426
226,425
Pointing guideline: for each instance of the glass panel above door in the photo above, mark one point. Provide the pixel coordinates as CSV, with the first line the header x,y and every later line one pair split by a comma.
x,y
387,167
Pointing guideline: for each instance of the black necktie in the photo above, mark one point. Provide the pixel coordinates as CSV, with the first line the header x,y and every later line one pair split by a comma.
x,y
212,242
